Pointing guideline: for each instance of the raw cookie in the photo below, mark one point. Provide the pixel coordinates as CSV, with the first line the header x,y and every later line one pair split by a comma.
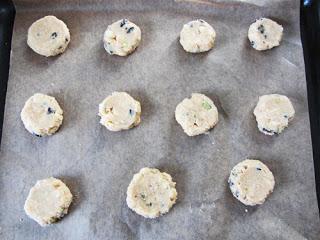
x,y
197,114
41,115
273,113
251,182
151,193
48,36
121,38
119,112
197,36
265,34
48,201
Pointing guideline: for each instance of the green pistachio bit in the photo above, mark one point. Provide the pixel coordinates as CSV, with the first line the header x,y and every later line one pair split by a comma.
x,y
206,105
142,196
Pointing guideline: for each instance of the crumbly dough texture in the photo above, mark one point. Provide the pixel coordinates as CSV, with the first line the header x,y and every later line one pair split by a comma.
x,y
197,114
151,193
41,115
273,113
48,201
251,182
265,34
197,36
48,36
119,112
121,38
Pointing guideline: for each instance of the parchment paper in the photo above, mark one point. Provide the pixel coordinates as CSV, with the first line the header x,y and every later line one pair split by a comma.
x,y
98,164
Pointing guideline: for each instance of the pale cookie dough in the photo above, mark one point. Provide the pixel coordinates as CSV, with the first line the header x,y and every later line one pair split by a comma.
x,y
273,113
151,193
48,201
265,34
197,36
119,112
121,38
48,36
41,115
251,182
197,114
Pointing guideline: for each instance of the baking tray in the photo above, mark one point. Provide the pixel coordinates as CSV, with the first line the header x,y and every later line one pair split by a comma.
x,y
310,36
98,165
7,13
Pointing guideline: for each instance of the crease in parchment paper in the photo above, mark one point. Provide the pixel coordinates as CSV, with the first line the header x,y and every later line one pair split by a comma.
x,y
289,62
225,3
217,4
271,223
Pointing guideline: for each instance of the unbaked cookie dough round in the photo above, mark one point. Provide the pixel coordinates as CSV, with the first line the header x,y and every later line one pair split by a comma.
x,y
41,115
197,114
151,193
119,112
197,36
121,38
265,34
273,113
48,201
251,182
48,36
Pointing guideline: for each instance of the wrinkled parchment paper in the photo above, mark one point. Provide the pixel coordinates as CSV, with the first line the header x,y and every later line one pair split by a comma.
x,y
98,164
